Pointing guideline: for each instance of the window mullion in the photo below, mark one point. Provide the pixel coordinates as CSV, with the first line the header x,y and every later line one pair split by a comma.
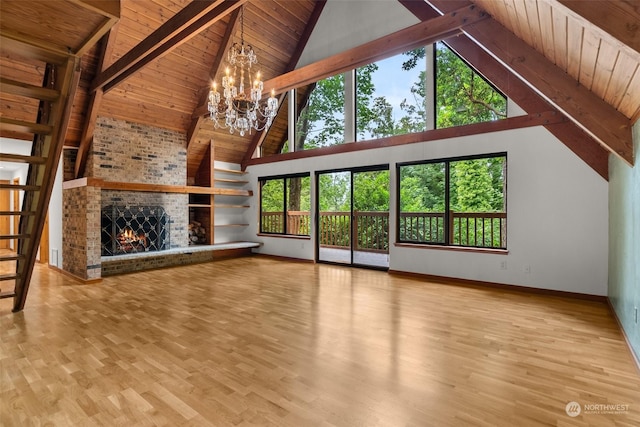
x,y
350,106
284,205
430,87
447,209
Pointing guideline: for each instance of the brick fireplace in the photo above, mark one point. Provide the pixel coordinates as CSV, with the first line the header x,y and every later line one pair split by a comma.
x,y
129,153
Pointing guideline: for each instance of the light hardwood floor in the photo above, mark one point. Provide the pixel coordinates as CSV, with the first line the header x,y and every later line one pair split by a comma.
x,y
259,341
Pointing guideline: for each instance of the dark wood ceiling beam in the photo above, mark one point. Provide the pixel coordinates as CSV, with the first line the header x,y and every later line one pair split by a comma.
x,y
621,19
593,115
582,144
188,22
95,100
258,139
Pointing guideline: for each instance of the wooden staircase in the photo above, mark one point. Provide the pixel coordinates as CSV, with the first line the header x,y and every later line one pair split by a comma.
x,y
55,99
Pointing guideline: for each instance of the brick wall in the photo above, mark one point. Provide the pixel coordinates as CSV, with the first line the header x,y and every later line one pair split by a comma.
x,y
122,151
81,232
69,164
131,152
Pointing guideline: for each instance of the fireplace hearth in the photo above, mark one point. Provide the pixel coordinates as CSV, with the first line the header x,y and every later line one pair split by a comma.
x,y
134,229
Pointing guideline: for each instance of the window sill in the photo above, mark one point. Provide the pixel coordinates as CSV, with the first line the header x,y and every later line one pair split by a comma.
x,y
284,236
453,248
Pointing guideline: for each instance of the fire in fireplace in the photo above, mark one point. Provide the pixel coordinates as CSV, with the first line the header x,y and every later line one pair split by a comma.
x,y
134,229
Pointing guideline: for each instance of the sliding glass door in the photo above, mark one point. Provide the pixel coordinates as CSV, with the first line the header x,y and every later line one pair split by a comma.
x,y
353,217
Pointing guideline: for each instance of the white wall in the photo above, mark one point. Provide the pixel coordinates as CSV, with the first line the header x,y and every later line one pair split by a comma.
x,y
557,213
557,205
345,24
55,220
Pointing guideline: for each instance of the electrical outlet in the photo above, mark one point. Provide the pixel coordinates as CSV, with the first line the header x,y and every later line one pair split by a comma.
x,y
503,265
526,268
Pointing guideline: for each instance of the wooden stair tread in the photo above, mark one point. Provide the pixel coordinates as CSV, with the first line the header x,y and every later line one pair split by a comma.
x,y
14,236
11,257
24,126
19,158
7,294
16,213
28,90
22,187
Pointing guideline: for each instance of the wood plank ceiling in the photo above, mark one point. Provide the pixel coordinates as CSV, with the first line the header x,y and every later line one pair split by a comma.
x,y
586,50
169,90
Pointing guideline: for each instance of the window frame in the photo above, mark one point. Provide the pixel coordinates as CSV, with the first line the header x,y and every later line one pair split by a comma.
x,y
447,200
284,178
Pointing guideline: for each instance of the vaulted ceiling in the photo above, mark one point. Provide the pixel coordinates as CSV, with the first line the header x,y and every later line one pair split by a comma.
x,y
156,63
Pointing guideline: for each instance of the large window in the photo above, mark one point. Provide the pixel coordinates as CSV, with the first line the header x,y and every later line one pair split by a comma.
x,y
462,95
285,204
426,88
457,202
320,119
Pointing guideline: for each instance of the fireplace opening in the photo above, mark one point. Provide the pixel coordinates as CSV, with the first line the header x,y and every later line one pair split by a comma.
x,y
134,229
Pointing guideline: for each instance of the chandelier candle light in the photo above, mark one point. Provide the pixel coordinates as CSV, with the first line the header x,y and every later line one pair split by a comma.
x,y
241,112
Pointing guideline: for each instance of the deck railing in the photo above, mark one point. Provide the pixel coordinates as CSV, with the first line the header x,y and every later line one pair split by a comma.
x,y
476,229
298,222
370,230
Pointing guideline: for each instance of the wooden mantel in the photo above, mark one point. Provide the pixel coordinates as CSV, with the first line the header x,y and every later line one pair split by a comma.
x,y
152,188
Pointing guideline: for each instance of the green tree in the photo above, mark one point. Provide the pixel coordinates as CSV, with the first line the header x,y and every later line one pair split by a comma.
x,y
321,120
471,186
462,95
371,191
272,194
422,188
334,192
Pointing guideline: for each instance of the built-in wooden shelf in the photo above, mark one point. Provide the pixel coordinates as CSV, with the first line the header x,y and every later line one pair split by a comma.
x,y
198,205
231,181
154,188
226,206
234,171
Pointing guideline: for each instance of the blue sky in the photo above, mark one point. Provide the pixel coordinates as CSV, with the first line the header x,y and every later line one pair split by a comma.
x,y
392,82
